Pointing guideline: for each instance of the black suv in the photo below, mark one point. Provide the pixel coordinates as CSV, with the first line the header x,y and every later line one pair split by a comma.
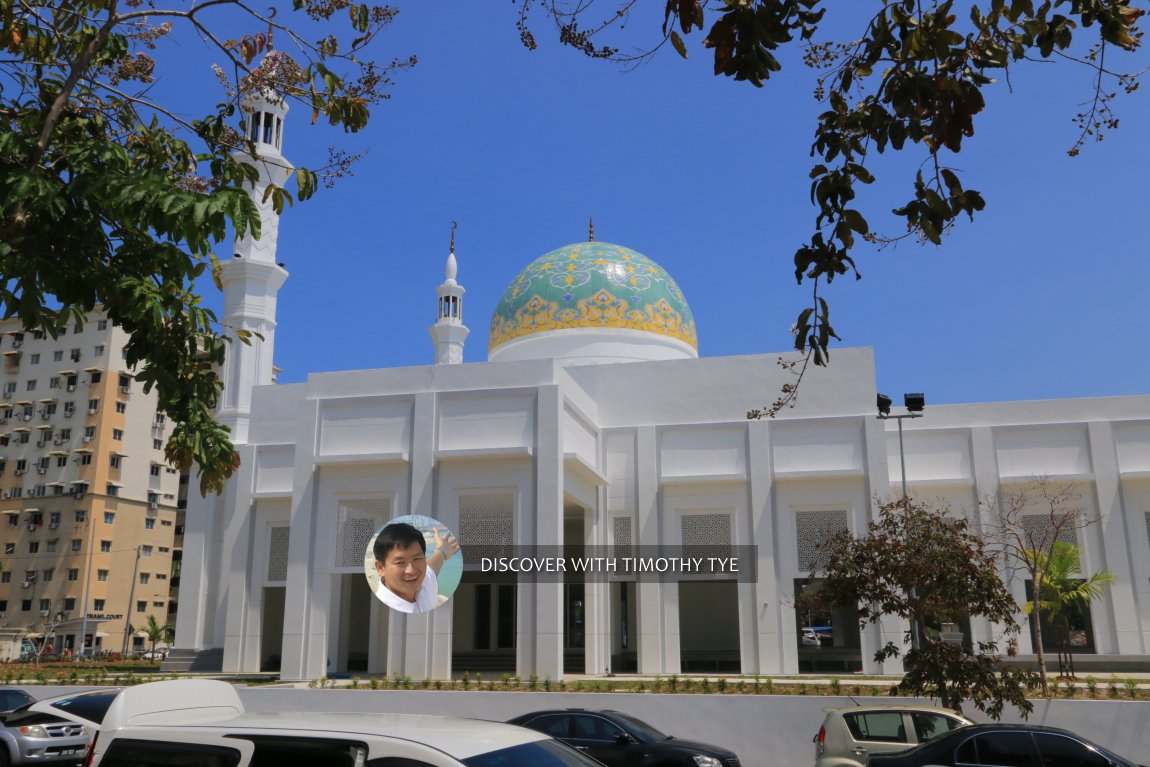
x,y
621,740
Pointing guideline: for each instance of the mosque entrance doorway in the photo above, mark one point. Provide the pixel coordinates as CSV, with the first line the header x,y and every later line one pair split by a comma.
x,y
483,635
352,639
709,627
272,628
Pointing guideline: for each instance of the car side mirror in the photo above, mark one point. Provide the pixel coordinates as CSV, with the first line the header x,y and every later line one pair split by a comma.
x,y
623,739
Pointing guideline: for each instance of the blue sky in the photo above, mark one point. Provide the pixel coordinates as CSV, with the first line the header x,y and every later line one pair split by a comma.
x,y
1044,295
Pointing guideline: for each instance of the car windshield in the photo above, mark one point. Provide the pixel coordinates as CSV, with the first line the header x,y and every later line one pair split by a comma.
x,y
642,727
540,753
91,706
11,699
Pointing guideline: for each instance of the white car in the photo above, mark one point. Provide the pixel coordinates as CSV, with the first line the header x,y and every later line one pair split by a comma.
x,y
203,722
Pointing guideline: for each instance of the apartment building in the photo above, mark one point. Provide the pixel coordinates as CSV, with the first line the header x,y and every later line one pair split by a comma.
x,y
88,505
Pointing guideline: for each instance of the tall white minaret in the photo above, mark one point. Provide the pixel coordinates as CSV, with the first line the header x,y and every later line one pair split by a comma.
x,y
448,333
252,278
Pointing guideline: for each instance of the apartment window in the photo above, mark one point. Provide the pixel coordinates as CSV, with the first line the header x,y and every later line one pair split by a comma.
x,y
164,549
79,328
93,405
38,335
33,547
114,462
3,605
157,444
101,575
112,490
31,385
125,383
141,605
4,441
89,433
98,605
45,605
48,574
146,550
101,324
6,576
48,409
99,350
158,603
81,515
160,419
145,577
72,381
109,517
58,355
66,434
165,523
76,544
13,521
28,411
16,491
22,465
10,387
85,459
50,546
44,461
118,434
161,576
149,524
69,604
61,461
25,605
54,382
10,548
105,546
24,437
29,575
73,573
121,407
33,359
154,470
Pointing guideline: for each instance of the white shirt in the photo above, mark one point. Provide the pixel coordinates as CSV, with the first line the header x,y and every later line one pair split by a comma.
x,y
426,600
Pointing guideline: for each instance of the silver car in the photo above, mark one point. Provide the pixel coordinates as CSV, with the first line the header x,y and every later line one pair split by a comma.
x,y
849,735
36,737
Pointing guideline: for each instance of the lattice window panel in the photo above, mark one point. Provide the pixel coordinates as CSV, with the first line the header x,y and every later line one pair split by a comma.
x,y
278,540
706,535
487,521
1038,528
621,531
811,529
358,520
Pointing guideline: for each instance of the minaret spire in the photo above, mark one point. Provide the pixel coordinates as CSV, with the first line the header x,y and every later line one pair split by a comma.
x,y
252,277
590,229
449,333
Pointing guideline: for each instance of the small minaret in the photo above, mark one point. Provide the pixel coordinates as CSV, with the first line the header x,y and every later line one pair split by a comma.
x,y
448,333
252,277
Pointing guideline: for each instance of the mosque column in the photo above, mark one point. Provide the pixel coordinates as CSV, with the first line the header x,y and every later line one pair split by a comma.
x,y
547,632
241,627
984,465
658,603
596,590
874,635
760,608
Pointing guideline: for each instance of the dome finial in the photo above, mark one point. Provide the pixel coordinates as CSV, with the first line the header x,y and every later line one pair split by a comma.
x,y
590,229
453,225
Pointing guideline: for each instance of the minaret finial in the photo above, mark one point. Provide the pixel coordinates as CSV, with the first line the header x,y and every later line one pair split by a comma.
x,y
590,229
453,225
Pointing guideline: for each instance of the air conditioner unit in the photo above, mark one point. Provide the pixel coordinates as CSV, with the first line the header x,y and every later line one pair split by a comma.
x,y
26,417
71,387
26,584
68,413
44,414
31,527
41,470
77,494
91,411
2,615
75,356
53,525
125,389
87,439
40,443
57,442
21,472
44,613
153,505
7,395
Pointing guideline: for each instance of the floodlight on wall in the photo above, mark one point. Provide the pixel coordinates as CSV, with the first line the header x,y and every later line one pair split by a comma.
x,y
884,403
915,402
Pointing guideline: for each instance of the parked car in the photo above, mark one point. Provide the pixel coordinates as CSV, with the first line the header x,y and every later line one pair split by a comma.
x,y
204,723
850,734
620,740
34,737
1025,745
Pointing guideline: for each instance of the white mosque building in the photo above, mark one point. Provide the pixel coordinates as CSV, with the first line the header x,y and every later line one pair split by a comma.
x,y
595,424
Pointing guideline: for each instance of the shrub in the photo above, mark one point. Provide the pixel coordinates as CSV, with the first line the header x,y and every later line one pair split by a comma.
x,y
836,686
1092,686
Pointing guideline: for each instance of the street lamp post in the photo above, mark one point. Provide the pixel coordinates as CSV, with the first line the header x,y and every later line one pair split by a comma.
x,y
915,403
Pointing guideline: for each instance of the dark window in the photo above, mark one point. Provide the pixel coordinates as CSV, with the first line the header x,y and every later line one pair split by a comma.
x,y
555,725
1060,751
505,636
272,751
541,753
589,727
10,699
1000,749
927,726
91,705
877,725
124,752
483,616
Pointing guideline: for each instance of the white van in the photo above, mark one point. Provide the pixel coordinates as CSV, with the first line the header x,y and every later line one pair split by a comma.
x,y
203,723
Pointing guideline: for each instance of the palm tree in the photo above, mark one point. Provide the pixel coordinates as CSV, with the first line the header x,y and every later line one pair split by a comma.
x,y
1065,593
157,633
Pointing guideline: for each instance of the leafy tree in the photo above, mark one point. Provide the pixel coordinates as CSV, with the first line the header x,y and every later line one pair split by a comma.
x,y
927,567
913,78
1026,523
112,199
157,633
1065,595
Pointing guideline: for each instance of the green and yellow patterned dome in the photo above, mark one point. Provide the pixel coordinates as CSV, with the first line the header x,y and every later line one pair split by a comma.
x,y
592,286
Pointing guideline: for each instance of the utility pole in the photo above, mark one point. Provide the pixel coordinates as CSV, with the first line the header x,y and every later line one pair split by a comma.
x,y
131,599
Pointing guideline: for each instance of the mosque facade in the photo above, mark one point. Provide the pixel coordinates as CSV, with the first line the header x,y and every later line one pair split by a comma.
x,y
594,427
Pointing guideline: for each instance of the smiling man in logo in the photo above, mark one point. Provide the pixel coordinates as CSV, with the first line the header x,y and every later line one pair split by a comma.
x,y
408,579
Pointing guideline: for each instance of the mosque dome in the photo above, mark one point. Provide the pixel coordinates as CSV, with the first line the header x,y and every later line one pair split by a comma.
x,y
592,302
